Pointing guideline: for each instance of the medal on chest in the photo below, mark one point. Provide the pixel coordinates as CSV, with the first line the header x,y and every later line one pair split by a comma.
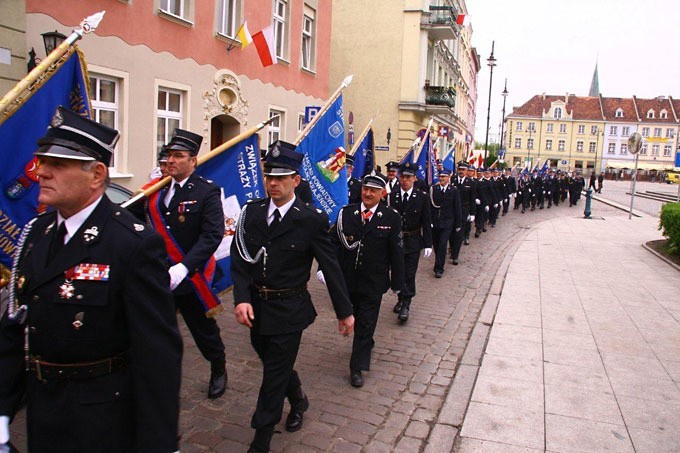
x,y
181,209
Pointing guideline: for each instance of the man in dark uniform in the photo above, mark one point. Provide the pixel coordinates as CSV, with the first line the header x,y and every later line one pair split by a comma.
x,y
416,226
525,191
276,240
371,254
467,191
446,212
392,180
353,184
536,190
500,191
511,185
96,323
188,215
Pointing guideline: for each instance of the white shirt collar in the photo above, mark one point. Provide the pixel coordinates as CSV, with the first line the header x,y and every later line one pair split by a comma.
x,y
282,210
373,209
74,222
408,192
180,183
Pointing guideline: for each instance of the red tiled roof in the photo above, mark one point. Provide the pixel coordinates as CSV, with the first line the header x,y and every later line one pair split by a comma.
x,y
582,108
611,105
657,105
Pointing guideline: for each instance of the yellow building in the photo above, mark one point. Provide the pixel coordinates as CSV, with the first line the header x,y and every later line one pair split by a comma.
x,y
13,52
411,63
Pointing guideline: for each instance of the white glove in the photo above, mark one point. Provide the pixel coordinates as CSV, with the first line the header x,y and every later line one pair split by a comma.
x,y
427,253
468,218
477,202
486,208
320,277
396,291
4,430
472,218
544,192
458,230
495,205
177,274
507,200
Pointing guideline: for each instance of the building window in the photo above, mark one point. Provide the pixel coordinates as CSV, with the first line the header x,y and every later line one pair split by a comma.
x,y
530,143
105,101
670,133
519,126
625,131
613,130
560,145
177,8
518,143
592,147
308,39
593,130
624,148
301,123
548,145
549,127
531,127
579,146
227,20
169,113
663,114
516,160
645,132
650,113
557,113
643,149
655,149
563,128
276,126
280,29
612,148
619,113
657,132
581,128
667,150
578,164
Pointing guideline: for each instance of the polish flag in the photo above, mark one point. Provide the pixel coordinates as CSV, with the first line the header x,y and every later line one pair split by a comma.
x,y
264,42
463,19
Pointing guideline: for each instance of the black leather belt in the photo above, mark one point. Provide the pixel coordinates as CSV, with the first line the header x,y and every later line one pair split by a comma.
x,y
267,293
408,233
46,371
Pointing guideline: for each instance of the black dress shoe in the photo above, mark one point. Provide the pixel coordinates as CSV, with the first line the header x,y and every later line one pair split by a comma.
x,y
403,314
466,241
356,379
218,383
476,234
437,274
397,307
260,443
454,261
484,230
297,408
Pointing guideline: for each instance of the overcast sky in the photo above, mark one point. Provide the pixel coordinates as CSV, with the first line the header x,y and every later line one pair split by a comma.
x,y
552,46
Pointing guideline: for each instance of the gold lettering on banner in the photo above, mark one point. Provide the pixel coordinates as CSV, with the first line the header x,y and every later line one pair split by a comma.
x,y
9,234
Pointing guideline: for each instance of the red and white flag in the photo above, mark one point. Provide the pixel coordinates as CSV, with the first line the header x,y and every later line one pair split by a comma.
x,y
264,42
463,19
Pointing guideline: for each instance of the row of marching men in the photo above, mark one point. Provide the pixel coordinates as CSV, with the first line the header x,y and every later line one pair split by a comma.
x,y
553,187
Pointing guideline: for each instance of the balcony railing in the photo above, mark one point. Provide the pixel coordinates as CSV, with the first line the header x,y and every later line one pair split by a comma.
x,y
440,22
440,96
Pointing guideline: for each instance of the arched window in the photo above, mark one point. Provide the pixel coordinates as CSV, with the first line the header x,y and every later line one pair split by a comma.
x,y
557,114
650,113
663,114
619,113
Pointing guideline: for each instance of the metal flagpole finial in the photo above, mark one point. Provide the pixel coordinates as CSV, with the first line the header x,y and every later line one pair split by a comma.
x,y
90,24
347,81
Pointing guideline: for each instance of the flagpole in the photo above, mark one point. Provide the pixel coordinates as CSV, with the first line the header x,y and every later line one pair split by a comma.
x,y
323,110
361,137
422,142
214,152
88,25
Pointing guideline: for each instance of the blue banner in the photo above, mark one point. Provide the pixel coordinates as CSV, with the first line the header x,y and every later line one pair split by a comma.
x,y
324,163
427,163
238,173
18,135
363,156
449,162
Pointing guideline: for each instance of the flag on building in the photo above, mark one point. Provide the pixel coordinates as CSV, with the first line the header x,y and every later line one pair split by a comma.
x,y
66,85
265,44
238,173
463,19
363,156
243,34
324,163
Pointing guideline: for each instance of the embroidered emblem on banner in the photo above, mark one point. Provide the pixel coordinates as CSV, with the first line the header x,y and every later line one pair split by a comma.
x,y
336,129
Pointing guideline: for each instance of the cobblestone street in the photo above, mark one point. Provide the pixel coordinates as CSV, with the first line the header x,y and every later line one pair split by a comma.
x,y
412,368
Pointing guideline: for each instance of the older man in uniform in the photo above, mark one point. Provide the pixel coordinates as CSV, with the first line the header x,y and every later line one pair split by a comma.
x,y
276,240
371,254
188,215
446,212
94,346
416,226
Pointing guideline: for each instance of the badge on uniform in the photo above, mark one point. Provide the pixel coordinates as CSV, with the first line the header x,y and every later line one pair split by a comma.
x,y
138,227
91,233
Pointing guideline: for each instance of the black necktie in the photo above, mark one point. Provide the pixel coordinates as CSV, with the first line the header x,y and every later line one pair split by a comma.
x,y
405,197
57,242
175,196
275,221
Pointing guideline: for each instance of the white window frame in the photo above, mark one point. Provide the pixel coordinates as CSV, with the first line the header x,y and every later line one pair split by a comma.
x,y
531,126
276,128
592,147
557,113
650,114
581,128
519,126
280,24
645,132
612,148
663,114
643,149
624,148
657,132
518,143
227,19
619,113
98,106
170,7
169,115
670,133
530,143
593,130
655,149
667,150
301,123
561,144
625,131
549,127
563,128
579,146
613,130
308,40
548,144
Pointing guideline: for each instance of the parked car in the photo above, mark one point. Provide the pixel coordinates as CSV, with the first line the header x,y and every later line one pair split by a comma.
x,y
118,193
673,177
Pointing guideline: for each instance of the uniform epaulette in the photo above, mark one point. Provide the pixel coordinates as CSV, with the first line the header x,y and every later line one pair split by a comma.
x,y
131,222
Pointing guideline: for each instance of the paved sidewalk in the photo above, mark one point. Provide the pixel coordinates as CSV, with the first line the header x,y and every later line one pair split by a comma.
x,y
583,355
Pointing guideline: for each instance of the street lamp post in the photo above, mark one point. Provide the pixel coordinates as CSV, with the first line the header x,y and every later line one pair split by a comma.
x,y
505,95
491,62
530,146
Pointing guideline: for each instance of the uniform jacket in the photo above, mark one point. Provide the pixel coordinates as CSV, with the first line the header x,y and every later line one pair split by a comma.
x,y
134,409
467,190
353,190
415,217
301,237
446,207
380,261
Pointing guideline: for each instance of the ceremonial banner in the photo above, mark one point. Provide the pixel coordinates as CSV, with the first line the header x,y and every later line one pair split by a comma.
x,y
449,162
66,85
238,173
324,163
363,156
427,163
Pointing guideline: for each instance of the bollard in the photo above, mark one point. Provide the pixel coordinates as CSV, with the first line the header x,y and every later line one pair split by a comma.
x,y
589,196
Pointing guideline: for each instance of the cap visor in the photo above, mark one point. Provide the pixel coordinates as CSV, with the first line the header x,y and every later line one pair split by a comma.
x,y
62,152
278,172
